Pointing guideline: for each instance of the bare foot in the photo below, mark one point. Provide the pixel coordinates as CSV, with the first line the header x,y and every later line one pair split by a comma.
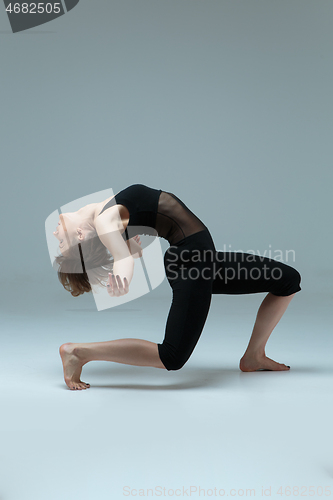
x,y
72,367
252,364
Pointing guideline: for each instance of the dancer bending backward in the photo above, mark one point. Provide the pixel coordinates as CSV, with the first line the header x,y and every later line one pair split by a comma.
x,y
194,269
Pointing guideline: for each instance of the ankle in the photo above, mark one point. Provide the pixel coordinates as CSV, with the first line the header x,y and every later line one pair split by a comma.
x,y
80,353
254,353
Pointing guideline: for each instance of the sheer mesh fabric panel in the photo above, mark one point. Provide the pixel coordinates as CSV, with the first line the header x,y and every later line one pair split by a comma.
x,y
174,221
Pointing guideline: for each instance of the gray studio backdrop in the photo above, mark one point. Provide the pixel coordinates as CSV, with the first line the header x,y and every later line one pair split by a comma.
x,y
227,104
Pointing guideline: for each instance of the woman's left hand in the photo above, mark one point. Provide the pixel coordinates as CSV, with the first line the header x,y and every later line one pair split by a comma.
x,y
116,287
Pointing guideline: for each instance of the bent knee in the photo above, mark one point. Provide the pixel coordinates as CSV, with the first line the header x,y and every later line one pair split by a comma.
x,y
289,284
177,365
294,277
171,361
173,364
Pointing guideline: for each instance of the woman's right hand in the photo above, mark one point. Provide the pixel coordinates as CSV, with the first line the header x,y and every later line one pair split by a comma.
x,y
116,287
137,240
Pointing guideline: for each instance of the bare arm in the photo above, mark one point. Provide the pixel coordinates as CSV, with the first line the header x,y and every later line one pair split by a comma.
x,y
109,232
124,268
134,246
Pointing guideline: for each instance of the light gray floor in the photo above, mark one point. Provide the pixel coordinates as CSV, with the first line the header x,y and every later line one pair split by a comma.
x,y
208,425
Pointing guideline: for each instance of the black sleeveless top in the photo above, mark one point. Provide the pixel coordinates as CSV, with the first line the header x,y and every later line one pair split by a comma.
x,y
157,213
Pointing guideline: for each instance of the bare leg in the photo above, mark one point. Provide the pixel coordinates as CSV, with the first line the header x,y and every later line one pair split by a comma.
x,y
127,351
269,314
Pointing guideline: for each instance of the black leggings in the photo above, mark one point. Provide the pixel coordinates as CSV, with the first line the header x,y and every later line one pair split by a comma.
x,y
195,270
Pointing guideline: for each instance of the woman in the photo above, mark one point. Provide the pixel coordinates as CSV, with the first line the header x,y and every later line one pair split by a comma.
x,y
194,269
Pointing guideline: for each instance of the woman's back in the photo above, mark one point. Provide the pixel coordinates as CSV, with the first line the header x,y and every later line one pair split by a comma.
x,y
157,209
